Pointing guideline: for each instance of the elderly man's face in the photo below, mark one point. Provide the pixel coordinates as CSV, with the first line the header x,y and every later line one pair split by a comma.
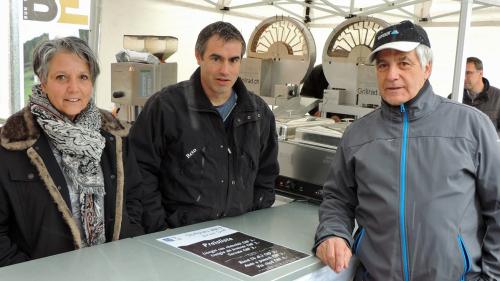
x,y
69,84
400,75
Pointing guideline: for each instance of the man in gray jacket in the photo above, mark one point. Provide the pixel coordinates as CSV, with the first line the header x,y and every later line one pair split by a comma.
x,y
419,175
479,93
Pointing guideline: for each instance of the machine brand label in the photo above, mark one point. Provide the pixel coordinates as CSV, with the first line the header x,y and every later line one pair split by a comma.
x,y
250,80
367,91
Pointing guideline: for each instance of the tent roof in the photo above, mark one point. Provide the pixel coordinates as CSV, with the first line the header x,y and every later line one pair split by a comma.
x,y
328,13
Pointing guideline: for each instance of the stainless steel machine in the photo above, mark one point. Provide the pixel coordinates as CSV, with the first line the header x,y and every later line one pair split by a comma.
x,y
307,144
134,81
306,151
352,90
281,52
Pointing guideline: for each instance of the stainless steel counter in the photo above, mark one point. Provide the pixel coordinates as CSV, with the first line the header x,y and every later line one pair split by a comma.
x,y
145,259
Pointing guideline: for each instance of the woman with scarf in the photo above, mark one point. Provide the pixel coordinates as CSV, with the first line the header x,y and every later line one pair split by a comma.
x,y
67,177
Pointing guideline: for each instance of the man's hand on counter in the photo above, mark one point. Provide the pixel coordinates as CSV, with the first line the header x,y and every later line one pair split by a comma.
x,y
334,252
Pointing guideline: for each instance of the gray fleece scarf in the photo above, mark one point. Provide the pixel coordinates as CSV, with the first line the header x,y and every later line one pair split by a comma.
x,y
80,144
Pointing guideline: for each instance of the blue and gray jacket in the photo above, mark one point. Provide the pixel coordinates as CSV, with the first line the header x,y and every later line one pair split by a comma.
x,y
423,182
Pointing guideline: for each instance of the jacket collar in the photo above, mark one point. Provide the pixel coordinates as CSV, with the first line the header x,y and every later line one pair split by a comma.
x,y
21,131
481,96
424,103
197,98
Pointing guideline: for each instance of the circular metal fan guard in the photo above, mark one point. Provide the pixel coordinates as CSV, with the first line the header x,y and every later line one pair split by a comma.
x,y
283,39
352,40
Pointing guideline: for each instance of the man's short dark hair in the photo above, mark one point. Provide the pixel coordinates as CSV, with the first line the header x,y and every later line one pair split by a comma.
x,y
224,30
478,64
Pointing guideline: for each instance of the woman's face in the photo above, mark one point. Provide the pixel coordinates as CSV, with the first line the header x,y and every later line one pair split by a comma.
x,y
69,84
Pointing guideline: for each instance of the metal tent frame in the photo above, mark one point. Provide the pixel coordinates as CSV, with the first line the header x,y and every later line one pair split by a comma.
x,y
326,14
428,13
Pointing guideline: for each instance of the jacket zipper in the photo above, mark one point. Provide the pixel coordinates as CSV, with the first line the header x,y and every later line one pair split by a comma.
x,y
357,242
465,256
202,172
402,195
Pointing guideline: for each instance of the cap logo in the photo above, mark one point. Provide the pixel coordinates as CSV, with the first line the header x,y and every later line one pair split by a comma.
x,y
383,35
387,33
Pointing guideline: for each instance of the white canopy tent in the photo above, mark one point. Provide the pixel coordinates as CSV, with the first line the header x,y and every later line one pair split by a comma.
x,y
446,21
327,13
456,29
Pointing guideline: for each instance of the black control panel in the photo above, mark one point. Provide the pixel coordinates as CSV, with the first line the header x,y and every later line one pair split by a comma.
x,y
299,189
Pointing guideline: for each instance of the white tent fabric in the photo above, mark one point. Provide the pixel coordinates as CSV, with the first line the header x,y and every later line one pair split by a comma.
x,y
329,12
185,18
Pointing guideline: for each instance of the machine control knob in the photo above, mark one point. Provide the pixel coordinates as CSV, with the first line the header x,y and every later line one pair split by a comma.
x,y
118,94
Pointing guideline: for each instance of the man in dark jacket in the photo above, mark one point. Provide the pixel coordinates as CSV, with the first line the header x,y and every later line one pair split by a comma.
x,y
314,86
207,148
479,93
419,175
315,83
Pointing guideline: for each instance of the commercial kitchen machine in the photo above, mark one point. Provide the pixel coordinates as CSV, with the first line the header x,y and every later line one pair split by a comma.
x,y
281,54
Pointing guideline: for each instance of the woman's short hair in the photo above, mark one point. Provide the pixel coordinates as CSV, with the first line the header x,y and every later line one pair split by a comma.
x,y
44,52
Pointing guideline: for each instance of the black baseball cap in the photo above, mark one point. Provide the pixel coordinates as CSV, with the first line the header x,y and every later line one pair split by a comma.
x,y
404,36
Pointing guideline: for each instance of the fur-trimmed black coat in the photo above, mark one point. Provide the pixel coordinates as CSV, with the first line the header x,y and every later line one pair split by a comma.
x,y
35,209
